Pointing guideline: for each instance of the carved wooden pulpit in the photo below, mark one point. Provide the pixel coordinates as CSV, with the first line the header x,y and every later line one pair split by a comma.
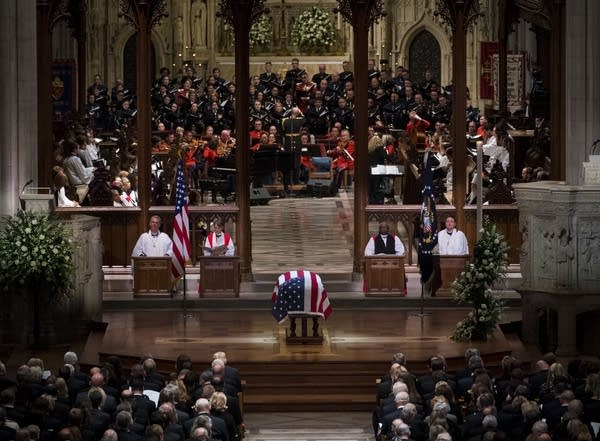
x,y
219,276
384,275
449,269
152,276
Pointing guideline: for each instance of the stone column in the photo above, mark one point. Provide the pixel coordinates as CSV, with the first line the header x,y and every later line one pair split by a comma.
x,y
459,15
18,107
143,15
567,338
241,14
361,14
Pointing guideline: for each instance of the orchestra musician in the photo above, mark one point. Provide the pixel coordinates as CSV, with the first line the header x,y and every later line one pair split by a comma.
x,y
225,145
415,130
343,157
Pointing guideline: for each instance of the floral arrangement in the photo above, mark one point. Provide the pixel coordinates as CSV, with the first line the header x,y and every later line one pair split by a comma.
x,y
313,29
35,251
472,287
261,32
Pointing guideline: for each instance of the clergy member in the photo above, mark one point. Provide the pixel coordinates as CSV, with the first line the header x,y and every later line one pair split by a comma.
x,y
153,243
452,241
384,243
218,243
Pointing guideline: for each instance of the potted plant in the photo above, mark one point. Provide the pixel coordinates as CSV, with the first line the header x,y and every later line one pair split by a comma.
x,y
472,287
36,261
313,30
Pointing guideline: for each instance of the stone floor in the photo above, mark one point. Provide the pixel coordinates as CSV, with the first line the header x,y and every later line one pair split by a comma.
x,y
307,426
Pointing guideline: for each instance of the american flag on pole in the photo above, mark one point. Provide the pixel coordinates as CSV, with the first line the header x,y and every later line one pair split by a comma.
x,y
181,228
300,291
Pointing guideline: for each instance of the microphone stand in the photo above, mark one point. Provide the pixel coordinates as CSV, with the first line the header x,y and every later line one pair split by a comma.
x,y
422,312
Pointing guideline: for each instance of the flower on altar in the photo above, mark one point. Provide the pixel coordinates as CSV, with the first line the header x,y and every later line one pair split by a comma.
x,y
472,287
35,251
313,29
261,32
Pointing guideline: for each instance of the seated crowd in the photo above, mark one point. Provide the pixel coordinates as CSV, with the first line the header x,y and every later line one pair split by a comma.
x,y
553,403
197,118
197,403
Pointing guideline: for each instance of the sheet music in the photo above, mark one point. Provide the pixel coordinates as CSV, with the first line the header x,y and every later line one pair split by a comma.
x,y
388,170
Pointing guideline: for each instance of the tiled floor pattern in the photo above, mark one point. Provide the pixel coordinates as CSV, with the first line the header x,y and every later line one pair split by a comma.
x,y
307,426
308,233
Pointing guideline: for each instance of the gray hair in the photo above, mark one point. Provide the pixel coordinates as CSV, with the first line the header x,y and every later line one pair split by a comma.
x,y
70,358
489,422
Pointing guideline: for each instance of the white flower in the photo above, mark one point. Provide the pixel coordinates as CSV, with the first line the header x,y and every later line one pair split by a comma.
x,y
23,248
28,230
34,222
42,237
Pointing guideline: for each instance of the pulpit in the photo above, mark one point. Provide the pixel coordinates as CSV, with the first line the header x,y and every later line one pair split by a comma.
x,y
448,268
152,276
219,276
384,275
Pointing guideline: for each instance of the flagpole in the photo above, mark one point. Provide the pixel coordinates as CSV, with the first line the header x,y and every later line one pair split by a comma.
x,y
184,292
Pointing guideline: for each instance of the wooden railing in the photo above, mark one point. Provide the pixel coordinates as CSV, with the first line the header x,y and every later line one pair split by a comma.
x,y
120,231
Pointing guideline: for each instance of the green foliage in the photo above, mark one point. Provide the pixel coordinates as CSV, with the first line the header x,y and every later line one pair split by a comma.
x,y
35,251
490,259
313,29
261,32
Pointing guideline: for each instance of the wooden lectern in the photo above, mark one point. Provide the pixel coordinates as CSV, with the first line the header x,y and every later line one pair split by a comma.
x,y
152,276
219,276
449,269
384,275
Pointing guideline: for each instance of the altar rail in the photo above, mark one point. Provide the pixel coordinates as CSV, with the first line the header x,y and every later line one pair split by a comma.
x,y
120,230
506,218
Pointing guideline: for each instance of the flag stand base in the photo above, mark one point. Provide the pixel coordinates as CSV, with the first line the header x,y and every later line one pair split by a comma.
x,y
421,313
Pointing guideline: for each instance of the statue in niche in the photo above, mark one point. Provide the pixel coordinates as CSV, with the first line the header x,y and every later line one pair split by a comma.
x,y
589,246
565,256
198,23
178,34
547,265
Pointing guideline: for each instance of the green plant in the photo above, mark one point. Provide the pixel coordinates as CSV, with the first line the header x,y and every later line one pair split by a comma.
x,y
313,29
490,259
36,253
261,32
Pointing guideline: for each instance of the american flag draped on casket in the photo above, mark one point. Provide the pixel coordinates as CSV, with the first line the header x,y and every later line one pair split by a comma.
x,y
300,292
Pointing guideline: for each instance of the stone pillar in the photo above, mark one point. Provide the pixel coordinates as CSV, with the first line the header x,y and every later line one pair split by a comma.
x,y
567,338
581,86
361,14
143,15
459,15
241,14
18,107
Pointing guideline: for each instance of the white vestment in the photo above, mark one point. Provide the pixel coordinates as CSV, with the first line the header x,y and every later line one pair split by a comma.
x,y
454,244
153,246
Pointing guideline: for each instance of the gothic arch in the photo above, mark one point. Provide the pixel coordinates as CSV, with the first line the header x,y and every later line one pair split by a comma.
x,y
426,23
118,49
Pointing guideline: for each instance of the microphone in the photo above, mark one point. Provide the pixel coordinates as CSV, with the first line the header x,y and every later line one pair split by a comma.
x,y
27,184
22,201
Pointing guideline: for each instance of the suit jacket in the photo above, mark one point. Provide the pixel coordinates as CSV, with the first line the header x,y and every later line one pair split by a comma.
x,y
99,422
129,435
219,429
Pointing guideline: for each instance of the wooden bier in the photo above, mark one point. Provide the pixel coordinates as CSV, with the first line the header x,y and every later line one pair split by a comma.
x,y
152,276
219,276
448,269
305,338
384,275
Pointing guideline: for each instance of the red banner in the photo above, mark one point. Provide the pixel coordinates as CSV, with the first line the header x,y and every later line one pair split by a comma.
x,y
486,85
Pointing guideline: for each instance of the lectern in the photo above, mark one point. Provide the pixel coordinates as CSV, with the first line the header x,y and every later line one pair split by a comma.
x,y
384,275
449,269
152,276
219,276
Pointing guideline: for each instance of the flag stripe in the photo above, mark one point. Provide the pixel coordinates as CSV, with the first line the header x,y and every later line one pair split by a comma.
x,y
181,229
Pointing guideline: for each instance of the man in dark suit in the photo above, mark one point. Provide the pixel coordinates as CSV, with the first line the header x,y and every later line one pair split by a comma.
x,y
150,373
123,424
99,420
426,383
5,382
202,408
142,405
232,375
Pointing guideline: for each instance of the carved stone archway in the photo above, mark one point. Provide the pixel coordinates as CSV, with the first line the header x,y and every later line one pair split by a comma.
x,y
116,60
434,28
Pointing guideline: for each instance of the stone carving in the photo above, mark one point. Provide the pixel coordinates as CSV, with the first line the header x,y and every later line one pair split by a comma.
x,y
198,23
178,34
564,257
524,250
589,250
546,254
